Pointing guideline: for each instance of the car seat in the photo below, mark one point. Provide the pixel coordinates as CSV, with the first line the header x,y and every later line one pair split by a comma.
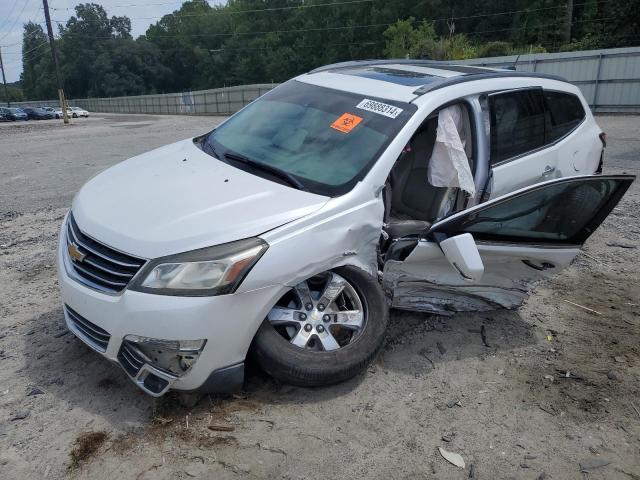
x,y
412,204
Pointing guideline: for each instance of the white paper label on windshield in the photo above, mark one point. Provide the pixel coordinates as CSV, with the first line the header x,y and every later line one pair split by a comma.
x,y
379,107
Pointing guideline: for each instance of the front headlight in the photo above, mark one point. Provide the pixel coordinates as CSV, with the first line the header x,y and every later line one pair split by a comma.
x,y
208,271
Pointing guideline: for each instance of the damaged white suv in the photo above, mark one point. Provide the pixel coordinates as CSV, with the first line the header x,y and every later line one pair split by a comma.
x,y
290,229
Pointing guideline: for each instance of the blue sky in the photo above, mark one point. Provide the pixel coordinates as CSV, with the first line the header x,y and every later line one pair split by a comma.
x,y
15,13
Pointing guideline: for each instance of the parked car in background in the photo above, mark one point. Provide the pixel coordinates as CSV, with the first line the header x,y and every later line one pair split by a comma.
x,y
4,117
14,114
419,185
79,112
38,113
57,111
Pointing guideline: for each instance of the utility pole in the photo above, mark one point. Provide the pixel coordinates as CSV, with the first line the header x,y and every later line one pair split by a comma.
x,y
63,105
4,80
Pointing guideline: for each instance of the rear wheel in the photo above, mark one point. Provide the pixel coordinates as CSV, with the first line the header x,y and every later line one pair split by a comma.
x,y
324,330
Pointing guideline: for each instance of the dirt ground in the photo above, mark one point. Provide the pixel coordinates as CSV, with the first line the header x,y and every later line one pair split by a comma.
x,y
553,394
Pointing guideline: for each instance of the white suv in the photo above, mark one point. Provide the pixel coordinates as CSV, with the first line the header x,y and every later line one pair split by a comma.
x,y
290,229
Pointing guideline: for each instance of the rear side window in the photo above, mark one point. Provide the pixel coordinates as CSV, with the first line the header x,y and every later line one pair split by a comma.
x,y
517,123
565,113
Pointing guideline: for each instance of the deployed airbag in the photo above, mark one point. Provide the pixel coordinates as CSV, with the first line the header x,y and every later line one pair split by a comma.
x,y
449,165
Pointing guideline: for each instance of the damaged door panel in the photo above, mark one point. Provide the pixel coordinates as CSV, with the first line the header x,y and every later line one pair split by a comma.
x,y
521,237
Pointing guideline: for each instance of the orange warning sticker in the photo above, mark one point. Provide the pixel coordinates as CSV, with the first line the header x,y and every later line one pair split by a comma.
x,y
346,123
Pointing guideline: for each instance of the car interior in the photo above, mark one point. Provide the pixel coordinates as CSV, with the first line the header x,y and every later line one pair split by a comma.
x,y
412,204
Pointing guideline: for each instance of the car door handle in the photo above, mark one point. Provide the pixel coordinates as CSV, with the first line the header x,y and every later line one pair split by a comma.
x,y
541,267
548,170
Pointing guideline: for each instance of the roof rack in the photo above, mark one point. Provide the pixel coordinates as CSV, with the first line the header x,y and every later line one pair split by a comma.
x,y
471,72
481,76
392,61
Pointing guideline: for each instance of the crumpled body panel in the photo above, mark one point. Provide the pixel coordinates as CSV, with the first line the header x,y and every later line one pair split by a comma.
x,y
425,281
419,294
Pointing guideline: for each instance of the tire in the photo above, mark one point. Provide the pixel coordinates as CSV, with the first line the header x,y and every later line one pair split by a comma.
x,y
74,116
313,364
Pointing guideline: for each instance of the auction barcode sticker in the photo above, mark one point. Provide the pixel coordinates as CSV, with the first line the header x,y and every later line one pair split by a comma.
x,y
379,107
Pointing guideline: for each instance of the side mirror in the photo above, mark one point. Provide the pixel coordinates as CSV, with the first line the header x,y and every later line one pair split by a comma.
x,y
462,252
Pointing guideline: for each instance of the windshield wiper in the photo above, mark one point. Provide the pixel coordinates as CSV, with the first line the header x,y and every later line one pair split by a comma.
x,y
276,172
208,144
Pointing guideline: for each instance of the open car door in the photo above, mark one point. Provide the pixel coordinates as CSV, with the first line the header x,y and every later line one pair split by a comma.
x,y
489,256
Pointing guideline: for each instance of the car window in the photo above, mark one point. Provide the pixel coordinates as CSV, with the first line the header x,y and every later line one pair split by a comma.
x,y
567,211
517,123
328,139
564,113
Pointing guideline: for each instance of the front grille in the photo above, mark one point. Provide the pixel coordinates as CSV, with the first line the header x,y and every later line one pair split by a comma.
x,y
90,333
98,265
130,359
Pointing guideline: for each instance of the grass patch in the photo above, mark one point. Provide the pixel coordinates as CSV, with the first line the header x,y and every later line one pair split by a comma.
x,y
87,444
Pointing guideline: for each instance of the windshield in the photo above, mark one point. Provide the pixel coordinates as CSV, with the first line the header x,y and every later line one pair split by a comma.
x,y
327,139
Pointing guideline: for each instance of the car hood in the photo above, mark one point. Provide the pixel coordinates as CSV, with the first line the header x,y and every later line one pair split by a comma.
x,y
178,198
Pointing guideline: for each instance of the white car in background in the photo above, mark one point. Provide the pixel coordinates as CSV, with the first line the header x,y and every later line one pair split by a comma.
x,y
290,229
57,111
78,112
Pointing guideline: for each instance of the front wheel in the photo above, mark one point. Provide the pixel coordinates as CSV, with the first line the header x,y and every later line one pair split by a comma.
x,y
324,330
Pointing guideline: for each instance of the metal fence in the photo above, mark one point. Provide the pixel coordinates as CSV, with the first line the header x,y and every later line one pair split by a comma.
x,y
609,79
217,101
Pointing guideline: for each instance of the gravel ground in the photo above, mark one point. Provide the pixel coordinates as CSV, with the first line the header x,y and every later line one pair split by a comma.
x,y
509,407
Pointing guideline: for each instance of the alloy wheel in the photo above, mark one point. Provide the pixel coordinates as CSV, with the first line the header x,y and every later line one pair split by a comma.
x,y
323,313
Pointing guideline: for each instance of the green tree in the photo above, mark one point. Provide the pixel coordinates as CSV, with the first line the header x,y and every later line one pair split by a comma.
x,y
38,74
201,46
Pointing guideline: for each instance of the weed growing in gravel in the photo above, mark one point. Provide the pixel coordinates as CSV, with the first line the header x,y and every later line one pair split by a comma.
x,y
87,444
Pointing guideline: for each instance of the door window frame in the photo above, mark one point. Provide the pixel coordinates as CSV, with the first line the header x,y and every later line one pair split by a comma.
x,y
546,144
479,148
493,94
575,127
436,231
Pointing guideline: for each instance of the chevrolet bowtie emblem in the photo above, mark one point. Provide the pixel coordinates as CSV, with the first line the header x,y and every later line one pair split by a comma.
x,y
74,253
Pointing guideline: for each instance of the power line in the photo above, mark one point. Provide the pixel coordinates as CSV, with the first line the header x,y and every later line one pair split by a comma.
x,y
32,33
13,7
34,56
29,35
296,46
238,12
323,29
534,27
296,30
331,4
27,2
126,5
510,12
28,51
523,27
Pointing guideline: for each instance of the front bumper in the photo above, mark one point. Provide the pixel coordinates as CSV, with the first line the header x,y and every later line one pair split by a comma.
x,y
227,323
